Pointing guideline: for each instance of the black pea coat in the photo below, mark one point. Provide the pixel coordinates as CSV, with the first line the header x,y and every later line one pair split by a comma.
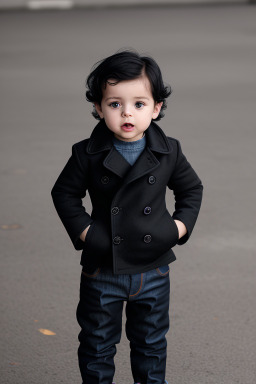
x,y
131,228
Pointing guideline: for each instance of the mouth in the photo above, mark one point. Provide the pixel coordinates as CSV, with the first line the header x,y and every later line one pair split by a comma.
x,y
127,127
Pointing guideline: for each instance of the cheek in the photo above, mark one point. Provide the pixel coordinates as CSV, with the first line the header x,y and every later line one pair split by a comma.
x,y
110,116
105,113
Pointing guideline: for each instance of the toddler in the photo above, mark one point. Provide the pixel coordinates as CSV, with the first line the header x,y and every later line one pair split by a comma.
x,y
127,242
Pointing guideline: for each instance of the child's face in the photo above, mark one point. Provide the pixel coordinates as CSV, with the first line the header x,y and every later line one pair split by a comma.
x,y
128,108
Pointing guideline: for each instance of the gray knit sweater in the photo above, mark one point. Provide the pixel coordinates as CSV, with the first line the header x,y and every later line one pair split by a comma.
x,y
130,150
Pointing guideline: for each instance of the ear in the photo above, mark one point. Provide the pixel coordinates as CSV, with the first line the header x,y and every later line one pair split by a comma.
x,y
157,110
98,110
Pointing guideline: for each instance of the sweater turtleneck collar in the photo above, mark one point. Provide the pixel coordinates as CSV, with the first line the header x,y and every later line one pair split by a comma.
x,y
130,145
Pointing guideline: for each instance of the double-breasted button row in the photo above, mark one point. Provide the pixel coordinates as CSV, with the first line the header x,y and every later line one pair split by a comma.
x,y
117,239
116,210
151,179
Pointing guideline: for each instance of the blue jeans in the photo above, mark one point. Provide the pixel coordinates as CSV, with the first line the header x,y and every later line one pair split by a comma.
x,y
99,313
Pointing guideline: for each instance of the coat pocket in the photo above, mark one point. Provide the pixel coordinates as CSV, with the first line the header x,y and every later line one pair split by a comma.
x,y
167,232
98,240
88,234
175,231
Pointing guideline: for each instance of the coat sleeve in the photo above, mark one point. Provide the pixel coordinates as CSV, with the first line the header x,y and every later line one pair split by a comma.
x,y
67,194
188,191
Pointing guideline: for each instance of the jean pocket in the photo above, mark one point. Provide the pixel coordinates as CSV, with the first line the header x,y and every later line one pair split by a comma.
x,y
163,271
91,273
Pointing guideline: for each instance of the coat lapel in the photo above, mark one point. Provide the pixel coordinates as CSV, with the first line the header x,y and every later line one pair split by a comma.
x,y
101,140
147,162
116,163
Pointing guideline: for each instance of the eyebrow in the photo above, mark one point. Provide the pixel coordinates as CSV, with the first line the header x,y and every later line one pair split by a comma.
x,y
137,97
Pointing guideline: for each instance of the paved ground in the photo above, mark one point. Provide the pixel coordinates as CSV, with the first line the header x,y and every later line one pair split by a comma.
x,y
208,55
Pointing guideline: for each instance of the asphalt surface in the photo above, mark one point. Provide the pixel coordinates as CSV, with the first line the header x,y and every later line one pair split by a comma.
x,y
208,55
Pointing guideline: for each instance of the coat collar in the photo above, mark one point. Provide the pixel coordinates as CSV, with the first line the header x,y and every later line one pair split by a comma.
x,y
101,140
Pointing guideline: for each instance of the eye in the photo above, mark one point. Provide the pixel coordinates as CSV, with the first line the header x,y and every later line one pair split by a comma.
x,y
139,104
114,105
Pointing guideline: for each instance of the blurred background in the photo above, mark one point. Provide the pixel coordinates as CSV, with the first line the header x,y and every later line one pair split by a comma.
x,y
65,4
207,53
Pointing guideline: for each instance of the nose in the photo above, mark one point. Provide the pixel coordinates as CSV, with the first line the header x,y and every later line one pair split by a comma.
x,y
126,112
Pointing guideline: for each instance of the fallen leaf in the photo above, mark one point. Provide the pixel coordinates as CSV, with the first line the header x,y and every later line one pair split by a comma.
x,y
46,332
10,226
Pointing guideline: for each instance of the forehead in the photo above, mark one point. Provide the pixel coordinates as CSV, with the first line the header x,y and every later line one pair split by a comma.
x,y
128,88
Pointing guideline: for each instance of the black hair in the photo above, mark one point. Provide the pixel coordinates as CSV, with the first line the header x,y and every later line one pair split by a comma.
x,y
126,65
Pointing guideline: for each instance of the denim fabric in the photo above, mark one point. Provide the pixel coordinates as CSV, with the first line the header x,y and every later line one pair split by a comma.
x,y
99,313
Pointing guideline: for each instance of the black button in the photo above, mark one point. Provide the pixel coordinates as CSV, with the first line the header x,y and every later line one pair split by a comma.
x,y
117,240
147,238
105,180
115,210
147,210
151,179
